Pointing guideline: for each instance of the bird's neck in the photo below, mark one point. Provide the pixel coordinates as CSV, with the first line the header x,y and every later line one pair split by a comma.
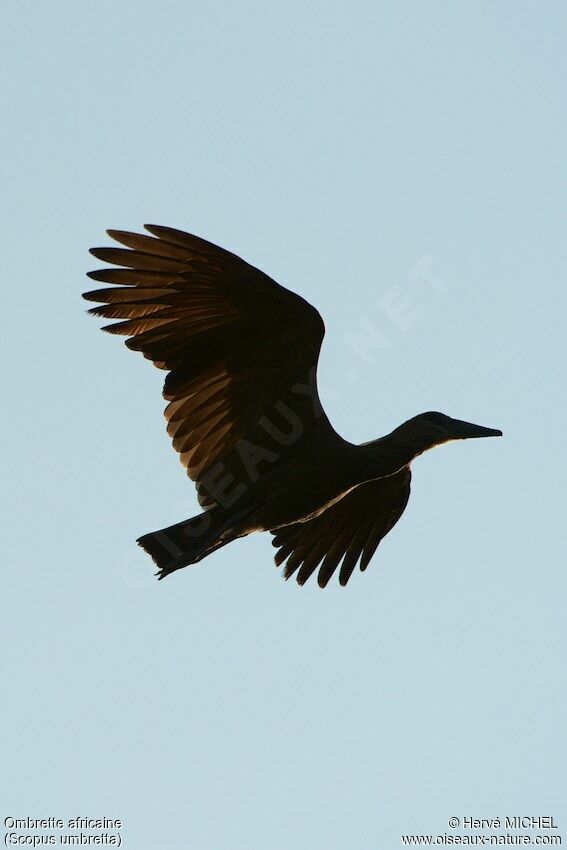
x,y
387,455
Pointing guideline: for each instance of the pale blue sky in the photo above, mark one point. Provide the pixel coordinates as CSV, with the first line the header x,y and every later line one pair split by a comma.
x,y
344,149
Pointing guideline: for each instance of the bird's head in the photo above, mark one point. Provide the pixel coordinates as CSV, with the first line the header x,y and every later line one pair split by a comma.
x,y
431,429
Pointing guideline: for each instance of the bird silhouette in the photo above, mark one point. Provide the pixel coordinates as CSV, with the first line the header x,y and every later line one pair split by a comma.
x,y
244,412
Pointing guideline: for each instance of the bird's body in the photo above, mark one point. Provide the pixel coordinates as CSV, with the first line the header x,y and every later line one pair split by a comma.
x,y
244,411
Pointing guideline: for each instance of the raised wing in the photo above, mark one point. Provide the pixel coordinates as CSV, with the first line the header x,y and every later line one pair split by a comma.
x,y
240,349
350,530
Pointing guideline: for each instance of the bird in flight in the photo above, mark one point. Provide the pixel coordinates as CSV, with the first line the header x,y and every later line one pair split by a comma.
x,y
244,413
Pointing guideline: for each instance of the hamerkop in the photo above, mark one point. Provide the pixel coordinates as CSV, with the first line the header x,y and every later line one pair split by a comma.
x,y
241,355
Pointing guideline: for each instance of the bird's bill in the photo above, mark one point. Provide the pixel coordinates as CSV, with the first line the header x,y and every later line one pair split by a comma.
x,y
464,430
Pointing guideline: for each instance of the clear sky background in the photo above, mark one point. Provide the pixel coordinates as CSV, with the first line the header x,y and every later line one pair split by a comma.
x,y
402,166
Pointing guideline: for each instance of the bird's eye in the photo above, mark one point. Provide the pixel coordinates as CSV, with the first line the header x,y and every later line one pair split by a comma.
x,y
435,418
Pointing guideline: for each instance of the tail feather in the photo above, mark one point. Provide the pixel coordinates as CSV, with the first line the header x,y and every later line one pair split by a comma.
x,y
182,544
